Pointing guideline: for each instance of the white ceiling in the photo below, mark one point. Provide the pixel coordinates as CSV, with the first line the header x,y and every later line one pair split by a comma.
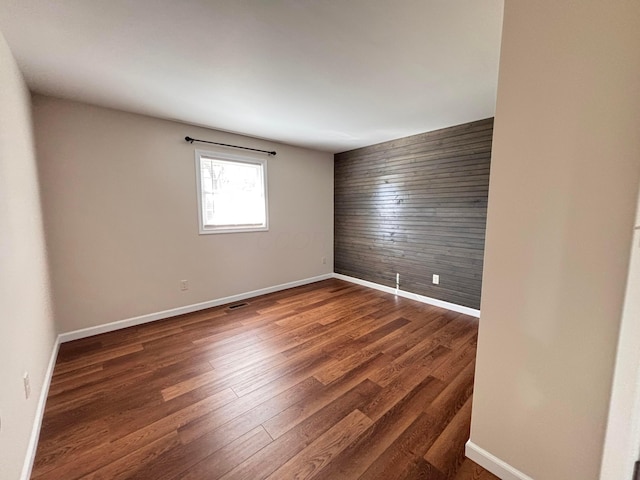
x,y
326,74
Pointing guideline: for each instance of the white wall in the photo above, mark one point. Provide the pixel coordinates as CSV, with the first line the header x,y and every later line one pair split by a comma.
x,y
564,179
27,331
121,216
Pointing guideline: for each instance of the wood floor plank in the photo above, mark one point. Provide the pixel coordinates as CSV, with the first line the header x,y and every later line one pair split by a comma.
x,y
255,412
386,429
446,453
329,380
398,461
426,332
458,361
278,452
337,369
308,463
228,457
290,371
362,341
424,356
199,443
420,468
289,417
336,337
125,406
470,470
200,440
88,459
128,466
98,357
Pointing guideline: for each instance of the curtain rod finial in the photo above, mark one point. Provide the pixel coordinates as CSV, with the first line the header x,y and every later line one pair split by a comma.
x,y
189,139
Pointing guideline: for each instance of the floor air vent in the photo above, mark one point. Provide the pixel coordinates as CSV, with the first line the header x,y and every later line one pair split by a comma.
x,y
237,305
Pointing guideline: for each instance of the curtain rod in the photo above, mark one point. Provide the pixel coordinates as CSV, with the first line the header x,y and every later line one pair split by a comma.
x,y
191,140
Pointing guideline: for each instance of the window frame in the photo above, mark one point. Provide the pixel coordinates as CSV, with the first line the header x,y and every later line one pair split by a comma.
x,y
229,157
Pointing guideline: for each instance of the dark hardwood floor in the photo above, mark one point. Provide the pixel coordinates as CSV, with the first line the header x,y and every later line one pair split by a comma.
x,y
329,380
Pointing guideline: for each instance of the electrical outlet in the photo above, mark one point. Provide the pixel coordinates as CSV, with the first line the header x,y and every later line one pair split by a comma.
x,y
27,385
184,285
324,260
436,279
397,280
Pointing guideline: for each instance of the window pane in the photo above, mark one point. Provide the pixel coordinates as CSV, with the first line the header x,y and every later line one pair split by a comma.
x,y
232,193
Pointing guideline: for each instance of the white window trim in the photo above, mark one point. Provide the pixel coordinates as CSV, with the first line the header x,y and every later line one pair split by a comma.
x,y
234,158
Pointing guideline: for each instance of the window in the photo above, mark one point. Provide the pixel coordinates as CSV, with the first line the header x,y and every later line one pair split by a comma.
x,y
232,193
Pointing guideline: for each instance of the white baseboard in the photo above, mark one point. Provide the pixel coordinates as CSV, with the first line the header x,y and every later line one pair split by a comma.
x,y
492,463
152,317
37,422
413,296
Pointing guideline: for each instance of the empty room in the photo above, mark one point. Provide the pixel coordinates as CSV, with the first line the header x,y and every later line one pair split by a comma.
x,y
298,239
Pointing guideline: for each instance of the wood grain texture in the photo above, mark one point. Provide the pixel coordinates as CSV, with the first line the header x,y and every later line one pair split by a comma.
x,y
416,206
329,381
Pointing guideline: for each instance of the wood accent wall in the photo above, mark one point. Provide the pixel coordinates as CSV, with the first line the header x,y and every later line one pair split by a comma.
x,y
416,206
